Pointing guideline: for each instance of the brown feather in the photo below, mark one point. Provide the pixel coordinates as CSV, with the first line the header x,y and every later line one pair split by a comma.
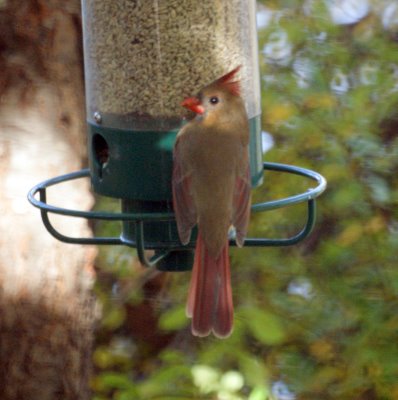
x,y
210,297
227,82
211,187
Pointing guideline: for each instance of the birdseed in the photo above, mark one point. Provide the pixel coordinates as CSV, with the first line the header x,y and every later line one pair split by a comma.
x,y
142,57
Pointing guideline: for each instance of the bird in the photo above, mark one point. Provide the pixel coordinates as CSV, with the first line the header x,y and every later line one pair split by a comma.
x,y
211,188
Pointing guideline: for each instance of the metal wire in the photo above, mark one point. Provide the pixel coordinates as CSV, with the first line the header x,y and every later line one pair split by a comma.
x,y
140,218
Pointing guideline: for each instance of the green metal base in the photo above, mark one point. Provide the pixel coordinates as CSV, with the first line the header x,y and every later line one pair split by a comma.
x,y
138,165
173,261
158,234
140,228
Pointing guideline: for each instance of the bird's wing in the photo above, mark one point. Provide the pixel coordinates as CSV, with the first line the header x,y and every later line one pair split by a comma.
x,y
241,203
184,207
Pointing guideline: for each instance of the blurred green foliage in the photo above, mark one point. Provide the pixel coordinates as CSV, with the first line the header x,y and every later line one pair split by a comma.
x,y
318,320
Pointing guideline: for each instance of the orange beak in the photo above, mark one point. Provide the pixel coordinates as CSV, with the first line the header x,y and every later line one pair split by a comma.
x,y
193,104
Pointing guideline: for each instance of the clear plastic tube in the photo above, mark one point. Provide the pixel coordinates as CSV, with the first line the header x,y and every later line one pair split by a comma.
x,y
143,57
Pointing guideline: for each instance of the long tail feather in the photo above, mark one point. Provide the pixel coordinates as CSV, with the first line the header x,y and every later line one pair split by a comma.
x,y
210,295
224,315
194,279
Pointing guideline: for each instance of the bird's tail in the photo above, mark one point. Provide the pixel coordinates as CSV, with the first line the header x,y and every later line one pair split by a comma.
x,y
210,296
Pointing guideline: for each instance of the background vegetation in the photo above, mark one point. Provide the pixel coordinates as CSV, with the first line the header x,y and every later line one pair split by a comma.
x,y
317,320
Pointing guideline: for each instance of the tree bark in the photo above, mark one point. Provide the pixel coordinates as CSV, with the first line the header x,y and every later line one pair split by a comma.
x,y
47,310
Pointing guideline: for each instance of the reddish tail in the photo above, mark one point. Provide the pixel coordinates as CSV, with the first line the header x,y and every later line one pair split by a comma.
x,y
210,296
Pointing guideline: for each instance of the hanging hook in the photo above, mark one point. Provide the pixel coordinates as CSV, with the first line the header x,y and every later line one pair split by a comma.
x,y
140,242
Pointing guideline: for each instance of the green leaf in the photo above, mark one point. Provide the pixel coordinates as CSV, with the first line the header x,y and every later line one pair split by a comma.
x,y
253,369
173,319
259,393
116,381
265,326
114,318
131,394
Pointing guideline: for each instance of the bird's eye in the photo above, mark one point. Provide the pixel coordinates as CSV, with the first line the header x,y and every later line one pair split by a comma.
x,y
214,100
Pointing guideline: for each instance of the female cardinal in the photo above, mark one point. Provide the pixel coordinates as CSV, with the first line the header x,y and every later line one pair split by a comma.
x,y
211,188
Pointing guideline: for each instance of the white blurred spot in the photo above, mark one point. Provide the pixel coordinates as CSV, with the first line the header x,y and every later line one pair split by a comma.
x,y
389,16
304,71
302,288
340,83
231,233
267,141
278,49
344,12
205,378
263,17
280,391
232,381
321,37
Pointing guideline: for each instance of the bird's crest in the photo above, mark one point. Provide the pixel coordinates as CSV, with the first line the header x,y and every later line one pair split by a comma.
x,y
227,81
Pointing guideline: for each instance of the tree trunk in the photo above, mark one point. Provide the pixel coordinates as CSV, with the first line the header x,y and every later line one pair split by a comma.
x,y
47,309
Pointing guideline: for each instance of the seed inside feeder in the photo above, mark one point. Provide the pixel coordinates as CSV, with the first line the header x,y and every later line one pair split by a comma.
x,y
143,57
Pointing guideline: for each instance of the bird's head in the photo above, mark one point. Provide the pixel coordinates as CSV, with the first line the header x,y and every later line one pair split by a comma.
x,y
215,99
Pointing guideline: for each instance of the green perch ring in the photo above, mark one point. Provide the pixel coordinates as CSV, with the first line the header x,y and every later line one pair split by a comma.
x,y
172,256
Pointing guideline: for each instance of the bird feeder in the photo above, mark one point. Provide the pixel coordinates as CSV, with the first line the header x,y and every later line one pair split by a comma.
x,y
141,59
